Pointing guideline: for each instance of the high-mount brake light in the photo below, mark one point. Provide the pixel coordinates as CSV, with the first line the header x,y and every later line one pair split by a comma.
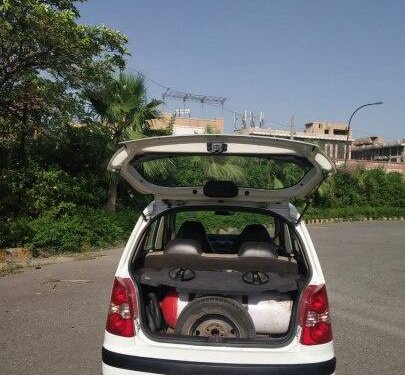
x,y
314,316
123,308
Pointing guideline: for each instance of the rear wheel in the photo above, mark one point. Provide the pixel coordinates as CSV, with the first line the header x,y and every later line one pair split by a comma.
x,y
215,317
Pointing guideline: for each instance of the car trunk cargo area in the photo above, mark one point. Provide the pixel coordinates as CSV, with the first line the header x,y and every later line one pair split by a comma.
x,y
195,287
213,311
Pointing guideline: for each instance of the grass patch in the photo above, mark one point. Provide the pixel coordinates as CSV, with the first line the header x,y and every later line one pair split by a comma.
x,y
10,268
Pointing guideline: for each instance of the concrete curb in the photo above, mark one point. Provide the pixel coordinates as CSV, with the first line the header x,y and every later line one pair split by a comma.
x,y
341,220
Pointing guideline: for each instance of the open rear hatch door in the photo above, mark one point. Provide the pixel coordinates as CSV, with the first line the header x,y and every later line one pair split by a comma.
x,y
230,167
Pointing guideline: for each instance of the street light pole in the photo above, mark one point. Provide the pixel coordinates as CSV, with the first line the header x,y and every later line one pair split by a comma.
x,y
348,128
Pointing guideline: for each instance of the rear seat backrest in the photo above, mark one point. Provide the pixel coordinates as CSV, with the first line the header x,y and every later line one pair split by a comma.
x,y
258,250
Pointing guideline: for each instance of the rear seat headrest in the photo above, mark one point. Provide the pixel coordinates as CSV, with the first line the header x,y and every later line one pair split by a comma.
x,y
252,232
258,250
194,230
183,246
258,232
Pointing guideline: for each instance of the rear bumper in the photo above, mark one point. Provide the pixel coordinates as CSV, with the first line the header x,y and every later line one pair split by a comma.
x,y
146,365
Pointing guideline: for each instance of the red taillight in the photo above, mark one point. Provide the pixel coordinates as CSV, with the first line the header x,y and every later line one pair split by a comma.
x,y
314,316
123,308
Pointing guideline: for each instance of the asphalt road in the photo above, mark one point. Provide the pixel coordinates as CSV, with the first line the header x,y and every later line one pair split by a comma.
x,y
52,327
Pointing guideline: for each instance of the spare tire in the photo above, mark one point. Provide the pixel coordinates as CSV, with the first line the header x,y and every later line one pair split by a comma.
x,y
216,318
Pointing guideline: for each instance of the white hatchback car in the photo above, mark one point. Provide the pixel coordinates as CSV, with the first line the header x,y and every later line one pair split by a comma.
x,y
219,275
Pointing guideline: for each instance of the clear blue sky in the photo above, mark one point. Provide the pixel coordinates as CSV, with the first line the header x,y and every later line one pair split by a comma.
x,y
315,59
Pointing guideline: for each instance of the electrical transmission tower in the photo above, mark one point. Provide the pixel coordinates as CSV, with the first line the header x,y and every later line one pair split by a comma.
x,y
188,96
247,119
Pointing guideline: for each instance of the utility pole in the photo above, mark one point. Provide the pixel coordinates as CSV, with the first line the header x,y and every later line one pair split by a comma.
x,y
292,127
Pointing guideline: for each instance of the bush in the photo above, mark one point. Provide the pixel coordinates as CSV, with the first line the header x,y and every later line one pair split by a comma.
x,y
53,186
34,190
360,187
68,227
50,207
14,231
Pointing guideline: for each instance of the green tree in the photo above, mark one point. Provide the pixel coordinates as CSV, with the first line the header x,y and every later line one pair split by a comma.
x,y
46,59
122,106
210,129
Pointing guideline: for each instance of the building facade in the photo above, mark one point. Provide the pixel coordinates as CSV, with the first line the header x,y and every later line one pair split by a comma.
x,y
187,125
330,137
379,151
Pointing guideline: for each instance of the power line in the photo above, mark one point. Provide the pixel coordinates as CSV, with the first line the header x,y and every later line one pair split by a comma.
x,y
214,101
152,80
208,99
177,94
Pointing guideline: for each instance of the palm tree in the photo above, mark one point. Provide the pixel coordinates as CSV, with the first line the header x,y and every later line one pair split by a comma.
x,y
121,105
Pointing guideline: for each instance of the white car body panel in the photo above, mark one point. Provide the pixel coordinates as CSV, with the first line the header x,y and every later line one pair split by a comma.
x,y
275,201
142,346
116,371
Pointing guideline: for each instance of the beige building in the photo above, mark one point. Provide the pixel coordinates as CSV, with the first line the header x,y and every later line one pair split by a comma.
x,y
331,137
326,128
369,141
376,150
189,125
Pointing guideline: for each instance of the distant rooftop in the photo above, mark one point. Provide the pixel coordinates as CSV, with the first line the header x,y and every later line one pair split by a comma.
x,y
287,133
188,125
